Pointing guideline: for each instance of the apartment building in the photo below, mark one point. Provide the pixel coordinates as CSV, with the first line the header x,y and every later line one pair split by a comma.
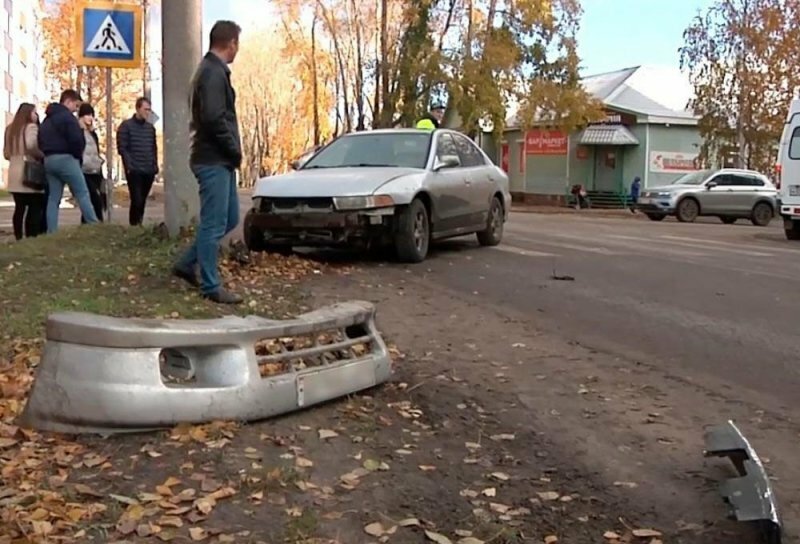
x,y
21,60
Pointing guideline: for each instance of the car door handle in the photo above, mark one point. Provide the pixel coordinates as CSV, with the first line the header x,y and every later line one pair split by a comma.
x,y
467,182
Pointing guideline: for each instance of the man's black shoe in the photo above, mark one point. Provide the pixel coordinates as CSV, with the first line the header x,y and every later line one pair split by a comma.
x,y
223,297
188,277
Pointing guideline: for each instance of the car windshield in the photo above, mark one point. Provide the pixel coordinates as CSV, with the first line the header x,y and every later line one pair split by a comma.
x,y
693,178
399,149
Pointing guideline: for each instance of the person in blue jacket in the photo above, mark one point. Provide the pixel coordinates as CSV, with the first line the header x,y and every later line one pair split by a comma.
x,y
61,141
636,190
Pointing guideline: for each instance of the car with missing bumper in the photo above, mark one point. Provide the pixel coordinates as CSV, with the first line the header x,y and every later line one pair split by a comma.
x,y
398,187
727,193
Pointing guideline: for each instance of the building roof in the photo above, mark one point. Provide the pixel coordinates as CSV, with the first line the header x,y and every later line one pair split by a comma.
x,y
658,94
651,91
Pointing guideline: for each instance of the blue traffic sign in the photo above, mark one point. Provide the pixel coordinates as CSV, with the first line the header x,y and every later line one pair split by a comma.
x,y
109,35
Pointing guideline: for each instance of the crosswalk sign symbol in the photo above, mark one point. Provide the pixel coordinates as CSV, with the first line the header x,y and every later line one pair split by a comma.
x,y
109,35
108,39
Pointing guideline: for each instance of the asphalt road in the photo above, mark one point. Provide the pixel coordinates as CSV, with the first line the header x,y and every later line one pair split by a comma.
x,y
709,300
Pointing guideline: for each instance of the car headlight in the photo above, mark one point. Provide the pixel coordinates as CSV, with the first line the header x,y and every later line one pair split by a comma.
x,y
664,194
362,202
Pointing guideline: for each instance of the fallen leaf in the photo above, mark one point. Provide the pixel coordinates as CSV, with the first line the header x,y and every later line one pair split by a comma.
x,y
499,508
427,468
375,529
222,493
325,434
403,452
198,534
409,522
489,492
502,476
436,537
294,512
611,535
646,533
552,539
470,540
123,499
371,465
548,495
171,481
170,521
629,485
205,505
472,445
84,489
504,436
257,496
7,442
302,462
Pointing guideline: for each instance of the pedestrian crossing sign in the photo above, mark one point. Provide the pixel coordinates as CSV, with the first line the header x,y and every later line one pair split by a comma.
x,y
109,35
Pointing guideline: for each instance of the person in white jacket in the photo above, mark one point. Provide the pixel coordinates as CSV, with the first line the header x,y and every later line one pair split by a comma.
x,y
20,146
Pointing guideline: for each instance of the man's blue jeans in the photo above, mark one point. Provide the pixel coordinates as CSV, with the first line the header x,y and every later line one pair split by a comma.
x,y
66,170
219,214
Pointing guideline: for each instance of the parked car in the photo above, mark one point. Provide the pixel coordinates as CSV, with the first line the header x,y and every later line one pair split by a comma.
x,y
399,187
789,172
728,193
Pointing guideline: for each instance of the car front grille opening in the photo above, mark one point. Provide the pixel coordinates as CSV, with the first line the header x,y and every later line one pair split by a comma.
x,y
296,353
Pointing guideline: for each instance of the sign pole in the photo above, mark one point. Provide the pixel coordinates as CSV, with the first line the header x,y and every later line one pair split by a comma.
x,y
109,145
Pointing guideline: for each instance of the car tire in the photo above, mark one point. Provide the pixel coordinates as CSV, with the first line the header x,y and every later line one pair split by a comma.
x,y
253,236
493,234
728,220
793,232
762,214
688,210
656,216
413,236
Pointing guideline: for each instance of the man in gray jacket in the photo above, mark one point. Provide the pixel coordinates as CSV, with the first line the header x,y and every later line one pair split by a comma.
x,y
216,153
136,143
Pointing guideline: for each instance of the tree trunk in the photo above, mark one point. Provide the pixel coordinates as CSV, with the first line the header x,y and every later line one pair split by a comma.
x,y
315,78
383,64
359,71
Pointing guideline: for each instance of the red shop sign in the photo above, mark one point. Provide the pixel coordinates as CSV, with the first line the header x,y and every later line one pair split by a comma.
x,y
545,142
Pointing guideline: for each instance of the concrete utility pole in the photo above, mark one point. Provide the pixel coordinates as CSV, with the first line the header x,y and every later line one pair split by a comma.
x,y
181,38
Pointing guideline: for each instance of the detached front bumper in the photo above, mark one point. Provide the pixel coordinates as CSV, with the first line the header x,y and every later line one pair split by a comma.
x,y
322,227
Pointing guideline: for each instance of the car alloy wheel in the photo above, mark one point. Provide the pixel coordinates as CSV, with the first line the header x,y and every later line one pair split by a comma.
x,y
762,214
493,233
420,230
688,210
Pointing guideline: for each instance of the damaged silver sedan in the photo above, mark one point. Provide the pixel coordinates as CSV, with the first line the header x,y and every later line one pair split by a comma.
x,y
396,187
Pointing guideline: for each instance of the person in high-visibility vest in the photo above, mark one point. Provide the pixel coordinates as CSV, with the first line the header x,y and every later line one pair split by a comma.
x,y
433,119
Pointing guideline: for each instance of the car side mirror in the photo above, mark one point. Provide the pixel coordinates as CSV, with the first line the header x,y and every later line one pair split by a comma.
x,y
711,184
295,164
447,161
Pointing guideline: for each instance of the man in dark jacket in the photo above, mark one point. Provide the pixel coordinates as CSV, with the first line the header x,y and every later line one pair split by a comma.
x,y
216,153
61,141
136,144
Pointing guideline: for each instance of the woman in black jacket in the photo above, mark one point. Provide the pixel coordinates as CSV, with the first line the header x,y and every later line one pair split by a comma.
x,y
92,161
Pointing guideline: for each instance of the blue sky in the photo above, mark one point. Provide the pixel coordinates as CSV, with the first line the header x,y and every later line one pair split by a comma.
x,y
620,33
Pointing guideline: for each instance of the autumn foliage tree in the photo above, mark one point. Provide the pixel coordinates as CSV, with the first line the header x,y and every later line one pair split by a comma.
x,y
742,60
393,57
277,99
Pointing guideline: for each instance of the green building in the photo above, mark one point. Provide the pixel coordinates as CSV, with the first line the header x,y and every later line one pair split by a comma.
x,y
647,132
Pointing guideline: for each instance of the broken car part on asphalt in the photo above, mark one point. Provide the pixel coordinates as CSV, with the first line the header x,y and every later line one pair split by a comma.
x,y
105,374
750,495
